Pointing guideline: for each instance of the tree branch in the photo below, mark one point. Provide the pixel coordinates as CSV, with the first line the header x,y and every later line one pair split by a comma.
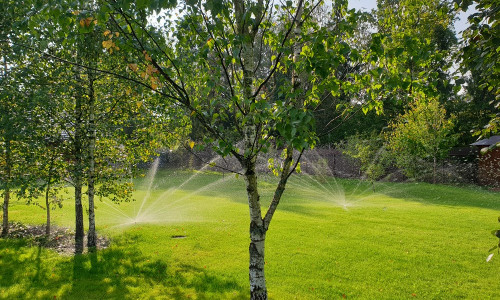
x,y
278,58
63,60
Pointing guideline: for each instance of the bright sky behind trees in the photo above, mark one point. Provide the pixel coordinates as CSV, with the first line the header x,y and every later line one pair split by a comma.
x,y
460,24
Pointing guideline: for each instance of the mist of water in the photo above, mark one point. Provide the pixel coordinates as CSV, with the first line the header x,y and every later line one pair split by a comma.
x,y
174,204
178,204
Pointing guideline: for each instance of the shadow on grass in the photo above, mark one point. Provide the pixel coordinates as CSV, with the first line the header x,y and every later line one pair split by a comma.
x,y
119,272
297,198
444,195
357,191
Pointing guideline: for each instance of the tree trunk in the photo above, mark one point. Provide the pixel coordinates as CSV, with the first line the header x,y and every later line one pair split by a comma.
x,y
6,195
258,288
5,225
78,175
79,232
434,170
47,206
91,235
258,225
47,192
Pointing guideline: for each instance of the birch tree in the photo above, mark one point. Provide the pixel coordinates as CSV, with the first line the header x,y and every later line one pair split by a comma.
x,y
211,63
108,127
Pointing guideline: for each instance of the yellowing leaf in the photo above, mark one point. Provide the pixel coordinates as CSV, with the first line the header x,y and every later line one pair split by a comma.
x,y
148,58
88,21
191,144
193,113
82,22
151,70
210,43
75,12
106,32
154,86
107,44
133,67
139,104
117,34
128,91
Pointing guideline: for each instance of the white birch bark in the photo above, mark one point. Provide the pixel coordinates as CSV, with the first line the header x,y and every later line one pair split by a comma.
x,y
258,224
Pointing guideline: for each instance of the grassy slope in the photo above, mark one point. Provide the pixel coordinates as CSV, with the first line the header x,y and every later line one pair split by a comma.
x,y
404,241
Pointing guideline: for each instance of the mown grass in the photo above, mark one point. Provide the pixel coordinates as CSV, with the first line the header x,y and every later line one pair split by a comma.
x,y
330,239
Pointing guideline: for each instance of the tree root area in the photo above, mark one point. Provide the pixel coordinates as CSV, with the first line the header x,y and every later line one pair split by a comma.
x,y
61,239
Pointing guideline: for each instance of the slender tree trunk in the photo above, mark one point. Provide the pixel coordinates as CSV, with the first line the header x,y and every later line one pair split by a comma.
x,y
6,195
5,225
91,235
8,163
258,224
78,175
434,164
47,194
79,232
258,288
47,206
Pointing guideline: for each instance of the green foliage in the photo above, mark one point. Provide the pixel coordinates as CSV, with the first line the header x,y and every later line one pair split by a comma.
x,y
17,102
204,71
410,52
473,110
370,152
80,55
417,42
423,133
481,55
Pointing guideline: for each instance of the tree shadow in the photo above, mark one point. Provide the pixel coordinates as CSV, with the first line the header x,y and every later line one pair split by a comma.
x,y
304,199
435,194
119,272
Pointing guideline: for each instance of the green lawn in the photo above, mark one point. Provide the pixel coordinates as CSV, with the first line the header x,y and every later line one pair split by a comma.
x,y
330,239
